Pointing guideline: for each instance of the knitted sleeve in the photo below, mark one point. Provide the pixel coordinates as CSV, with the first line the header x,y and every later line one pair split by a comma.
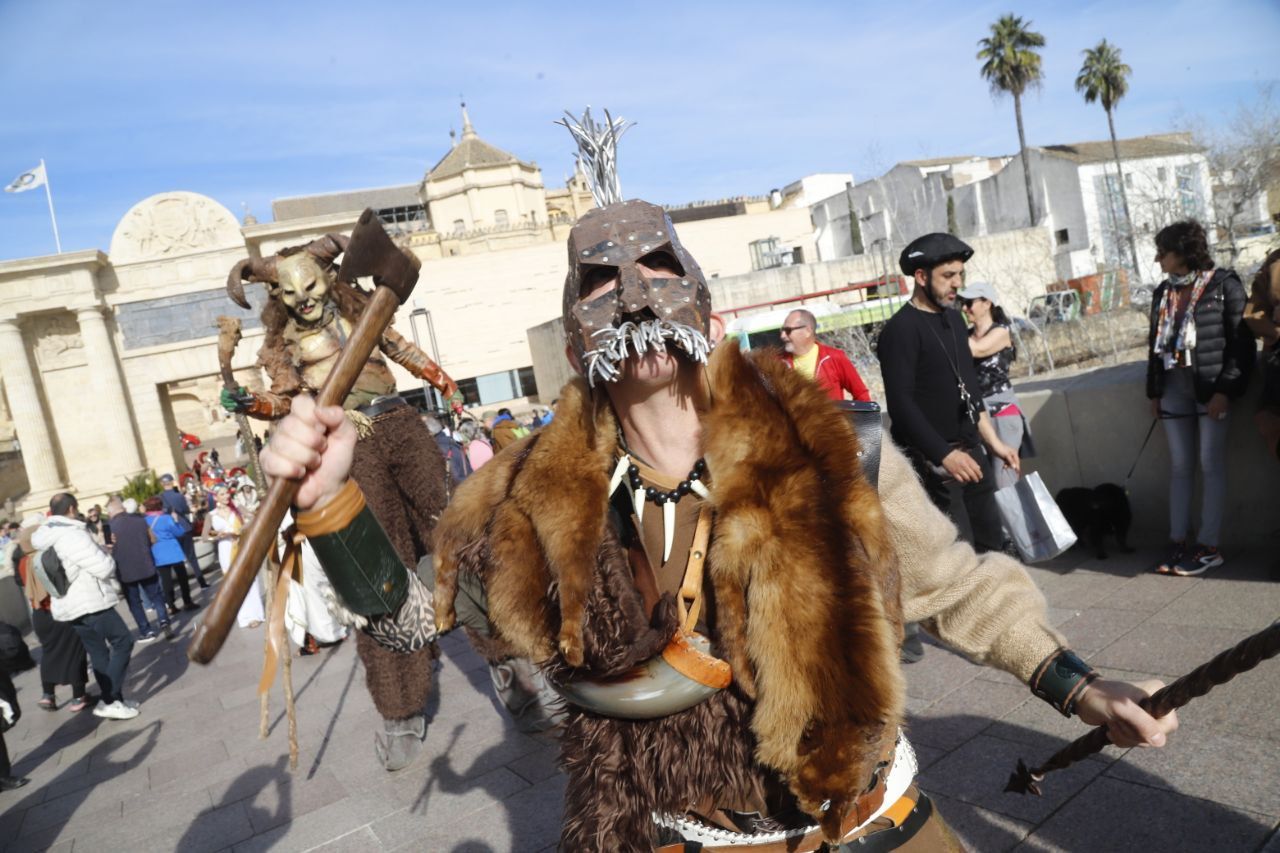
x,y
983,605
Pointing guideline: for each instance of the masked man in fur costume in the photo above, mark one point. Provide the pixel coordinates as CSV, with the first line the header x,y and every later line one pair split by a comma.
x,y
308,317
676,497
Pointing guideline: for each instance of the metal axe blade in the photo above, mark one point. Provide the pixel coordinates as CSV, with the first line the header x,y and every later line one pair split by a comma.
x,y
370,252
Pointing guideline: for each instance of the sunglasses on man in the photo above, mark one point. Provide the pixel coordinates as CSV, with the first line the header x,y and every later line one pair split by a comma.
x,y
787,330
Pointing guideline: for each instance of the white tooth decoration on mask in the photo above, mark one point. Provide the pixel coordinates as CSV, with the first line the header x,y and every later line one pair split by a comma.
x,y
700,490
638,499
611,345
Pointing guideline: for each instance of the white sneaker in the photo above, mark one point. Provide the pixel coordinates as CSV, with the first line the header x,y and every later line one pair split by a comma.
x,y
115,710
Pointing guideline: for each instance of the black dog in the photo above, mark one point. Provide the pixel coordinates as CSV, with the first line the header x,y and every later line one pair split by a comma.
x,y
1093,513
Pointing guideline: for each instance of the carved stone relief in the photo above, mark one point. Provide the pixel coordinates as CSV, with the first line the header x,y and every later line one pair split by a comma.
x,y
57,342
172,224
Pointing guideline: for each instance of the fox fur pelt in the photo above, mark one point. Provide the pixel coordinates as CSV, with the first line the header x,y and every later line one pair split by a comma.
x,y
806,600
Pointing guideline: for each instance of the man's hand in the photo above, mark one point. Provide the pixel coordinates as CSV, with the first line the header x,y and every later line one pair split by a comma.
x,y
1114,704
1008,455
236,401
315,445
1217,408
962,467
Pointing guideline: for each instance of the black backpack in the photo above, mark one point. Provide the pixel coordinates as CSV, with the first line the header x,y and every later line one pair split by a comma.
x,y
48,567
15,657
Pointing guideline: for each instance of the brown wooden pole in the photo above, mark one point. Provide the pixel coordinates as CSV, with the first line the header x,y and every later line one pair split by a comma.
x,y
259,536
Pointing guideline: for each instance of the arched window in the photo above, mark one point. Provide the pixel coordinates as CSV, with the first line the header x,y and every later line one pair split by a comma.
x,y
459,226
500,218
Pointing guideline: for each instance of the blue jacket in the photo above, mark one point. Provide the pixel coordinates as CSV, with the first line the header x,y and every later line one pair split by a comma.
x,y
166,550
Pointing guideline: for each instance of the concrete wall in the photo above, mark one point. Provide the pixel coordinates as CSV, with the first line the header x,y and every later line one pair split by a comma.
x,y
1088,430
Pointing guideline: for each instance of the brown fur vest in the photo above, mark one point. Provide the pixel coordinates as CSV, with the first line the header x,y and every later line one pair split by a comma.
x,y
806,602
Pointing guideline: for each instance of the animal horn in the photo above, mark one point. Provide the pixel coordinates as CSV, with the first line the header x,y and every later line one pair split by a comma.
x,y
249,269
327,248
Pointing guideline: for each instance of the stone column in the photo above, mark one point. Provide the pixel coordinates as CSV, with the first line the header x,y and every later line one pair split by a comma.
x,y
113,416
28,415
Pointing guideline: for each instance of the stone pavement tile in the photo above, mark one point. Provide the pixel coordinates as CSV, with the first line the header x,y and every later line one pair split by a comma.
x,y
73,812
178,765
1169,650
528,820
1273,843
1111,815
979,828
1248,605
442,799
538,765
324,828
965,712
1147,593
1082,589
361,841
940,672
215,829
293,798
977,772
1245,705
1043,731
53,838
927,755
1238,772
1096,628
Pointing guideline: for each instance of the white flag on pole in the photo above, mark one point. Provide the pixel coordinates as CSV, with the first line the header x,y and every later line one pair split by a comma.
x,y
27,180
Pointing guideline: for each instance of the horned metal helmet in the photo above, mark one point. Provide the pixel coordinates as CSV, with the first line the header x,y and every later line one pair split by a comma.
x,y
644,310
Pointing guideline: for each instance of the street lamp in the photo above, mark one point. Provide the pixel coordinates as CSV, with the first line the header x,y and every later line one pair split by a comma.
x,y
428,392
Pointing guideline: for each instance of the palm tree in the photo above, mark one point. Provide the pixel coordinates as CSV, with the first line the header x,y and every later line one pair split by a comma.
x,y
1011,64
1103,77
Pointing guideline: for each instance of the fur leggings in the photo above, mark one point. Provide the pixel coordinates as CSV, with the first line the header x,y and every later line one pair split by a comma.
x,y
402,474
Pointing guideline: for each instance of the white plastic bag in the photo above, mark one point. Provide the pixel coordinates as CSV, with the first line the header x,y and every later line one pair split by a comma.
x,y
1038,527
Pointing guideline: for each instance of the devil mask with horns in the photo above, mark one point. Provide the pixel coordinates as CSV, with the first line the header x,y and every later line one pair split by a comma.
x,y
308,316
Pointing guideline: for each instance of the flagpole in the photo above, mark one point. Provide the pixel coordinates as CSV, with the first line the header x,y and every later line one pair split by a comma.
x,y
49,195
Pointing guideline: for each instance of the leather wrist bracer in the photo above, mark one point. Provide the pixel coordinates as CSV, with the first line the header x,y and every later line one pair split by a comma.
x,y
1060,679
358,558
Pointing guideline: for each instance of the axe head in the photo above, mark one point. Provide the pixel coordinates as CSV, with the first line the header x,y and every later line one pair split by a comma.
x,y
370,252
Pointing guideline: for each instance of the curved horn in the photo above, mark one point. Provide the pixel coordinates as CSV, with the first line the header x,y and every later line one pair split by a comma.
x,y
249,269
328,247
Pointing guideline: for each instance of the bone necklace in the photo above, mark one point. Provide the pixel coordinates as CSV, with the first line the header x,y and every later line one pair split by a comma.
x,y
640,494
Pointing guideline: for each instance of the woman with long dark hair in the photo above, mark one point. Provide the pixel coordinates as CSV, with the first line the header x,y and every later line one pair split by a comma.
x,y
993,350
1196,365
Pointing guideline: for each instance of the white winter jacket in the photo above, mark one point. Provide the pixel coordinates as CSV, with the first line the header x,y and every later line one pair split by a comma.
x,y
91,572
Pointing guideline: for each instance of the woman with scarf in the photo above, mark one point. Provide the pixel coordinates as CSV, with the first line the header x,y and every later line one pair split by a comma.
x,y
1197,363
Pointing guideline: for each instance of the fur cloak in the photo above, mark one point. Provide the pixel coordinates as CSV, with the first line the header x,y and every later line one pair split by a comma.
x,y
804,603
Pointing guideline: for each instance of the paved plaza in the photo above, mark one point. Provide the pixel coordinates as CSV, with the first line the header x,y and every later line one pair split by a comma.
x,y
190,773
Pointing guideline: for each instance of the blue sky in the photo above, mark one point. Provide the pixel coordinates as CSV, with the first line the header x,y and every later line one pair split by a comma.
x,y
247,102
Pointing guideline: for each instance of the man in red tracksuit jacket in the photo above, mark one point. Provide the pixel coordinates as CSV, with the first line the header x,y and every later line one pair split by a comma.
x,y
830,367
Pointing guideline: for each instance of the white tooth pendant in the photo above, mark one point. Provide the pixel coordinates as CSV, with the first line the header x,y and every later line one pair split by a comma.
x,y
700,490
639,502
668,528
618,473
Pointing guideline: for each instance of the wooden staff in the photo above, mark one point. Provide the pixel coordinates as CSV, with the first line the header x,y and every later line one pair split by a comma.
x,y
1241,657
370,252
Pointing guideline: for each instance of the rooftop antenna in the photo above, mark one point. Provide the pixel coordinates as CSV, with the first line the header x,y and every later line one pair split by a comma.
x,y
598,151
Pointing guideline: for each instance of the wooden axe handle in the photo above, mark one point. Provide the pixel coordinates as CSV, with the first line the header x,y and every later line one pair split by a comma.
x,y
260,535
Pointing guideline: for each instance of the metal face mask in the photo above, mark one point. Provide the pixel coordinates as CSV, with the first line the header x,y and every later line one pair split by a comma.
x,y
642,311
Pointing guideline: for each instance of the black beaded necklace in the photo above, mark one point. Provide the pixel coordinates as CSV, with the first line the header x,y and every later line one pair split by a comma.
x,y
660,497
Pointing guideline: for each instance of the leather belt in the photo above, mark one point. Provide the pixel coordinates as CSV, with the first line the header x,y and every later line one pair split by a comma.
x,y
382,405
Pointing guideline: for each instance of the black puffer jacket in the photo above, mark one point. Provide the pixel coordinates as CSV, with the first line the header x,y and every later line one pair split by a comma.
x,y
1224,352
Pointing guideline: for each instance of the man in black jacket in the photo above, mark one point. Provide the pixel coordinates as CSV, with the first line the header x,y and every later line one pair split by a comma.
x,y
137,570
933,394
